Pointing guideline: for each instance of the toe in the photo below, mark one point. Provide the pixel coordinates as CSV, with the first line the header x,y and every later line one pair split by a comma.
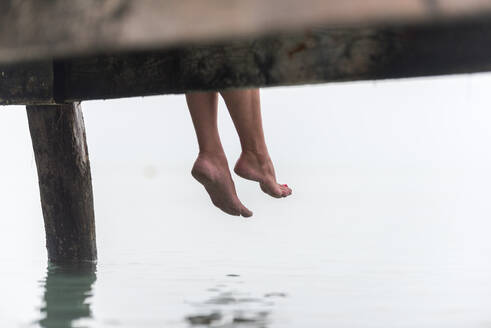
x,y
273,191
276,191
286,191
289,190
231,211
245,212
240,209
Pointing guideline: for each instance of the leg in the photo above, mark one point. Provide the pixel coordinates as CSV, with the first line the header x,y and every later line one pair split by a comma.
x,y
211,166
60,149
254,162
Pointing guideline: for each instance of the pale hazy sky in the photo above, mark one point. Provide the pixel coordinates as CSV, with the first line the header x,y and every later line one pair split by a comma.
x,y
428,124
389,217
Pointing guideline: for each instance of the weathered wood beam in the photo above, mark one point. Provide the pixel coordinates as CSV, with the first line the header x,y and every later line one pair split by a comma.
x,y
316,56
33,29
60,149
27,83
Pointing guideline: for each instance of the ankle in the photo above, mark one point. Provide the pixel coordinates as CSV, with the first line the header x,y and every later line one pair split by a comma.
x,y
262,155
215,157
211,153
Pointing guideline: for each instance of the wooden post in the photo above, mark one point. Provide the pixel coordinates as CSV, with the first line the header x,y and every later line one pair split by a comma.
x,y
60,149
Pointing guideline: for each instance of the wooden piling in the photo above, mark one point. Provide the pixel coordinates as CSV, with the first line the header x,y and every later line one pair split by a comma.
x,y
60,149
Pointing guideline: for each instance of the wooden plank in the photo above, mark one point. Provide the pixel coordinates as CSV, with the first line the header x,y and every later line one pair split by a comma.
x,y
60,149
26,83
33,29
316,56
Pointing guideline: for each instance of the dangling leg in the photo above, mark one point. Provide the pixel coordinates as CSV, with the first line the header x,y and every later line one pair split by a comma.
x,y
254,162
211,166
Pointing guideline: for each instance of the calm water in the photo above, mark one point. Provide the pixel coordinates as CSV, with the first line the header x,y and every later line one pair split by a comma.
x,y
397,258
388,225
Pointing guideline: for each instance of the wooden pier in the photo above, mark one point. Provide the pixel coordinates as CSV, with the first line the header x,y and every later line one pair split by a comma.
x,y
55,54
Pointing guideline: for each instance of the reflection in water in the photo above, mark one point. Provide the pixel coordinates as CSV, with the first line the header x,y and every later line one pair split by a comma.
x,y
229,308
67,293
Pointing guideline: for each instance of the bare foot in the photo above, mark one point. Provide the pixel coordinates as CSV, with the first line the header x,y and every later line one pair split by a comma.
x,y
212,171
259,167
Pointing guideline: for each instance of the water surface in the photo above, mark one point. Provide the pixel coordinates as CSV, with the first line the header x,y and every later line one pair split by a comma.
x,y
388,225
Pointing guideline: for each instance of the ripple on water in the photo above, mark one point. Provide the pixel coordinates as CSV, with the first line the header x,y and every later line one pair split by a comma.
x,y
233,309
